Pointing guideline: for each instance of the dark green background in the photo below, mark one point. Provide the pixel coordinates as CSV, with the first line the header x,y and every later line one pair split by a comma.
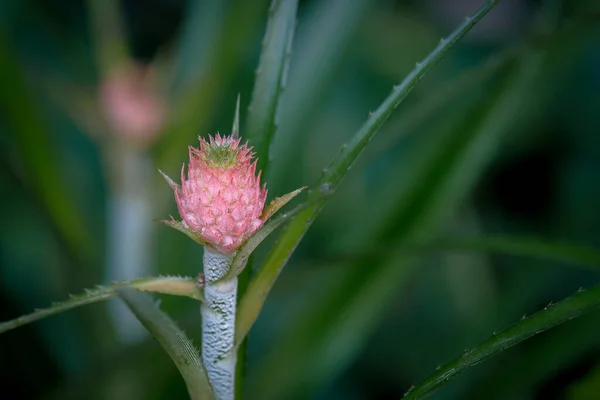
x,y
541,179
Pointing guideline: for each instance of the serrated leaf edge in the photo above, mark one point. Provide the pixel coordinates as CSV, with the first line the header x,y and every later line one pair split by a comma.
x,y
173,285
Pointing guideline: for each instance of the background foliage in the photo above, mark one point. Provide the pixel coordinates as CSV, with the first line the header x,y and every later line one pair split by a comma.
x,y
475,204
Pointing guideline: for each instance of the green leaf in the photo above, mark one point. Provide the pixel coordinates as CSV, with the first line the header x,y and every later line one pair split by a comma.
x,y
31,151
271,78
363,290
415,115
170,181
530,366
279,202
179,226
333,175
587,387
259,287
261,124
241,256
235,129
173,340
321,42
334,327
196,102
551,316
573,253
174,285
196,43
108,32
577,254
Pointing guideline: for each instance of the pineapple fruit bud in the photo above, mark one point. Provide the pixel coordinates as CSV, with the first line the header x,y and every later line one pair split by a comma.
x,y
221,199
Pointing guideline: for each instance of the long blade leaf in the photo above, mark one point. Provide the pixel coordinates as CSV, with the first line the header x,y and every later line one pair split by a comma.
x,y
175,285
32,151
243,254
271,77
324,36
195,103
555,314
324,339
173,340
259,287
573,253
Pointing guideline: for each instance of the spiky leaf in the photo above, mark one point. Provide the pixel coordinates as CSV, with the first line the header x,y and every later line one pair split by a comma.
x,y
179,226
175,285
554,314
260,286
279,202
173,340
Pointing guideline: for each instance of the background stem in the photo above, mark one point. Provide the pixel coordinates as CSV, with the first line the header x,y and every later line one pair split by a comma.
x,y
129,231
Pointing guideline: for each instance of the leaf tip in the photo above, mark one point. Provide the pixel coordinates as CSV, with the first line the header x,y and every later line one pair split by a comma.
x,y
236,120
170,181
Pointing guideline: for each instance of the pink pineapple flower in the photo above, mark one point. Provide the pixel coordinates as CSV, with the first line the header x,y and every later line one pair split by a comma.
x,y
221,199
132,105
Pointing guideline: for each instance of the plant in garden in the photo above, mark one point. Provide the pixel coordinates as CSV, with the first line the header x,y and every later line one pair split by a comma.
x,y
221,201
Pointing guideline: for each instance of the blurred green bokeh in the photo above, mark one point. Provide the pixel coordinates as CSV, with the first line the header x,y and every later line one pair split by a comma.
x,y
502,138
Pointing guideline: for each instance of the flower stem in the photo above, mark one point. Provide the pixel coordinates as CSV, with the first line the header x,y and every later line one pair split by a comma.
x,y
218,323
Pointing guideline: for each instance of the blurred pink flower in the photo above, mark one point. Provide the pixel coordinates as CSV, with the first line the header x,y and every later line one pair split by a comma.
x,y
131,104
221,199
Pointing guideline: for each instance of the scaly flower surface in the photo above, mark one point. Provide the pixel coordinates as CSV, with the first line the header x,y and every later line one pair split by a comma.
x,y
221,199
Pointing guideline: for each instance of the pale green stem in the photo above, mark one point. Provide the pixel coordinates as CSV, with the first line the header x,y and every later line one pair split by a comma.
x,y
218,323
129,240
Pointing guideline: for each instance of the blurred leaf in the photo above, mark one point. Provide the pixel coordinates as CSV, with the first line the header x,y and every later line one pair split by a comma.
x,y
322,39
173,340
34,153
197,101
79,104
551,316
574,253
586,389
259,287
173,285
108,32
522,246
271,77
197,40
335,327
415,115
